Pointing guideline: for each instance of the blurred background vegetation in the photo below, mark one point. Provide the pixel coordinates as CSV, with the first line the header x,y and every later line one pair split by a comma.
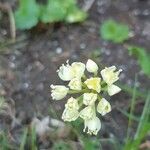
x,y
37,36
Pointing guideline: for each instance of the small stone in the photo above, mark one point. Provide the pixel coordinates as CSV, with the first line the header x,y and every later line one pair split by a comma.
x,y
12,65
82,46
146,12
58,50
26,85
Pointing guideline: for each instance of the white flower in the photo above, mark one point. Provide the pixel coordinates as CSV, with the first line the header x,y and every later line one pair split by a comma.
x,y
75,84
91,66
110,75
71,110
94,84
93,125
89,98
78,69
58,91
65,72
103,107
68,72
87,113
72,103
113,89
70,114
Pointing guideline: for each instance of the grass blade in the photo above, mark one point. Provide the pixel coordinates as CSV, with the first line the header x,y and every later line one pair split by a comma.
x,y
144,118
24,138
131,110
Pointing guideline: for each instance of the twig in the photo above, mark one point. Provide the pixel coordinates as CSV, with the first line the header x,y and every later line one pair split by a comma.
x,y
7,8
88,5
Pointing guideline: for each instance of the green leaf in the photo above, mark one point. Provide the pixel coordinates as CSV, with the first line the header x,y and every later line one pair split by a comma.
x,y
24,138
142,56
56,11
53,12
114,31
74,14
26,16
30,13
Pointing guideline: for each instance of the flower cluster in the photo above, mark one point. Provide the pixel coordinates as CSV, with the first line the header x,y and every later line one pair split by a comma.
x,y
91,90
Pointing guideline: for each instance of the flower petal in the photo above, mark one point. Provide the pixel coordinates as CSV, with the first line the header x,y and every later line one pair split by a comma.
x,y
94,84
113,89
75,84
103,107
109,75
91,66
93,125
58,92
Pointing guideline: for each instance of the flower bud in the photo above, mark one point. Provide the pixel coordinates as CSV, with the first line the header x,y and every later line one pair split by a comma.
x,y
65,72
89,98
93,125
78,69
87,113
91,66
94,84
58,92
103,107
113,89
70,114
109,75
75,84
71,110
72,103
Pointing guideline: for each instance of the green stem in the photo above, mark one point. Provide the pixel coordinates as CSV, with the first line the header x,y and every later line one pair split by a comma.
x,y
99,97
80,100
131,110
84,77
76,91
95,74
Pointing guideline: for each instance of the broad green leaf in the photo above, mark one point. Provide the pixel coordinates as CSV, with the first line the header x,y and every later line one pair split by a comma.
x,y
53,11
26,16
56,11
142,56
114,31
30,13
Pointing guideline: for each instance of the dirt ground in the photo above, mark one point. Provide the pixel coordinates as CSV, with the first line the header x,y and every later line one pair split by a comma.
x,y
28,67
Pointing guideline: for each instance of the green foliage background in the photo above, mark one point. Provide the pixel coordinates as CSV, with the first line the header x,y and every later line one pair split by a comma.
x,y
29,13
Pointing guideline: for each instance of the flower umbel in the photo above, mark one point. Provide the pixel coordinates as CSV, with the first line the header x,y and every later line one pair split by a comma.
x,y
91,91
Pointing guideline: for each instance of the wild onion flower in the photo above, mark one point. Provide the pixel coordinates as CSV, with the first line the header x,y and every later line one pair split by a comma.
x,y
91,90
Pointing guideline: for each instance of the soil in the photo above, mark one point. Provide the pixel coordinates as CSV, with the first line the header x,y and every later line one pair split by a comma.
x,y
28,67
